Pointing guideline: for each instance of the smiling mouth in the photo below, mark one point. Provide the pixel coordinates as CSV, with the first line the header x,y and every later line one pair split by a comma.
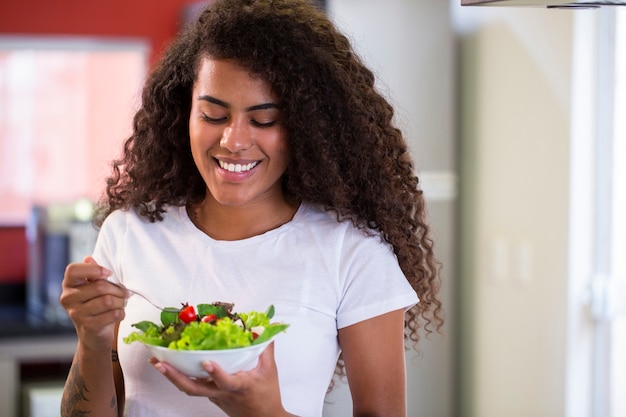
x,y
230,167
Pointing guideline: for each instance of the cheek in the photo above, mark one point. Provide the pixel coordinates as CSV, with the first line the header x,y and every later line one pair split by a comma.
x,y
193,135
200,146
201,137
281,146
281,153
194,144
285,157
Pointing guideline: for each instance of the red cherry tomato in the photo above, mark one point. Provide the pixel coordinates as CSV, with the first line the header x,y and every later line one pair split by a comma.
x,y
187,314
209,318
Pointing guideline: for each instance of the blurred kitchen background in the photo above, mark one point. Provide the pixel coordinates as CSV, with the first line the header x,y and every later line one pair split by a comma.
x,y
513,115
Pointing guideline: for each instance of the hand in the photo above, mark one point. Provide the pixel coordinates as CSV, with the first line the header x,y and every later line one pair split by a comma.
x,y
94,304
243,394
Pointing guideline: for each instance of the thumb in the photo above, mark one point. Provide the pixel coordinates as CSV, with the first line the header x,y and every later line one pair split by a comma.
x,y
89,260
103,272
266,359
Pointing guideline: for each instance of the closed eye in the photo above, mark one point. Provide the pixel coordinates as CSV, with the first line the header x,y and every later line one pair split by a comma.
x,y
213,119
255,123
262,124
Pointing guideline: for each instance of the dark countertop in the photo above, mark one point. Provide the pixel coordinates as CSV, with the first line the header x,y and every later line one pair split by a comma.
x,y
15,323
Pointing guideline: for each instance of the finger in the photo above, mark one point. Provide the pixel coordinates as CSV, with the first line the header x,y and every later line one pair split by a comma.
x,y
190,386
93,322
233,382
222,379
89,306
93,297
266,359
77,274
103,296
104,272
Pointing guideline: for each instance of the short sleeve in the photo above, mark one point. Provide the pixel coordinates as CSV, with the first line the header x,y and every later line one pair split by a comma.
x,y
107,251
374,283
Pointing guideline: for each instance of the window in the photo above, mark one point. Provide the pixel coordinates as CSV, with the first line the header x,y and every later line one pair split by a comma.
x,y
597,323
617,336
65,107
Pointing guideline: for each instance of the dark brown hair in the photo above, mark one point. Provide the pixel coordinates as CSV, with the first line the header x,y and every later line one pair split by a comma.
x,y
345,152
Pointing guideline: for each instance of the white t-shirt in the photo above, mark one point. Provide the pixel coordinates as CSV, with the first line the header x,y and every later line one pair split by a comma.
x,y
320,274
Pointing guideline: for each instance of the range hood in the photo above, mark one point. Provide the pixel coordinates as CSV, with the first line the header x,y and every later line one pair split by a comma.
x,y
565,4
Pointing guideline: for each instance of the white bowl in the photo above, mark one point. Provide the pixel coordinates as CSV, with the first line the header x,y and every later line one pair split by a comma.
x,y
189,362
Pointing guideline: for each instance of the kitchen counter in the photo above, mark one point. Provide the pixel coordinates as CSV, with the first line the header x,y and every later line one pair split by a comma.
x,y
23,342
14,322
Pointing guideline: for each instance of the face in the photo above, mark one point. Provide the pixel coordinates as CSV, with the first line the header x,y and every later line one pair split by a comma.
x,y
237,137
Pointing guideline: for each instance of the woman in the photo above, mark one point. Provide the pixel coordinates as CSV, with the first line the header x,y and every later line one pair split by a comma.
x,y
263,169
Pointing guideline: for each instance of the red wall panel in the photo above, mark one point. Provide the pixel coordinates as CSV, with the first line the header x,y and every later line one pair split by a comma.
x,y
157,21
13,253
154,21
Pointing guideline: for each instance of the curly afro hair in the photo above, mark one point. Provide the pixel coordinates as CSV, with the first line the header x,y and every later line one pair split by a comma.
x,y
345,152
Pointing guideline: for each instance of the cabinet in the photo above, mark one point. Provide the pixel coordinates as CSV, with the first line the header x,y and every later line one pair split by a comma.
x,y
15,352
565,4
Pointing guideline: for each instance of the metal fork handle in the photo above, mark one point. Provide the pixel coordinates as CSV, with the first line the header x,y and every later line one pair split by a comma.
x,y
166,309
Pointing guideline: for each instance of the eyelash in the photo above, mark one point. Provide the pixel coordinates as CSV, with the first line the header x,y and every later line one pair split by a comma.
x,y
252,121
263,125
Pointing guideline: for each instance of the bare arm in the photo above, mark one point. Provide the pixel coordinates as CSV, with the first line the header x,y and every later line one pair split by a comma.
x,y
96,307
373,352
89,388
118,376
243,394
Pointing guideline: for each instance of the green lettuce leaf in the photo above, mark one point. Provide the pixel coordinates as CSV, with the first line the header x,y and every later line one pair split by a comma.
x,y
228,332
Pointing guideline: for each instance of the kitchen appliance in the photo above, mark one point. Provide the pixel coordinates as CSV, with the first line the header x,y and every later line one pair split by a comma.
x,y
42,399
57,234
551,4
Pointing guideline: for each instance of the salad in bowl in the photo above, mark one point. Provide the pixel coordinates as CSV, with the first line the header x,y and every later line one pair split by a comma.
x,y
189,336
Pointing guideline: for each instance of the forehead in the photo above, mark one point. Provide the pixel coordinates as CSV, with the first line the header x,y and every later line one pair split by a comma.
x,y
227,77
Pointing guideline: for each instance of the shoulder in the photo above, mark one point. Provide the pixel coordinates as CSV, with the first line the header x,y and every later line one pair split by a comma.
x,y
327,226
318,214
316,217
129,218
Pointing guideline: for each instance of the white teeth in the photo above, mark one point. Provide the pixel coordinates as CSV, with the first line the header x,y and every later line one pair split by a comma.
x,y
230,167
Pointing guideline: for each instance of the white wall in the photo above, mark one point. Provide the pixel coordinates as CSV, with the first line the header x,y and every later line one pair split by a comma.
x,y
516,77
515,335
410,46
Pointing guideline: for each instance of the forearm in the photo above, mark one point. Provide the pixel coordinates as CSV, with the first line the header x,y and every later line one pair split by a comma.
x,y
90,388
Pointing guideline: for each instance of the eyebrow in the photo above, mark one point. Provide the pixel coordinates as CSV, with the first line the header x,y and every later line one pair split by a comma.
x,y
262,106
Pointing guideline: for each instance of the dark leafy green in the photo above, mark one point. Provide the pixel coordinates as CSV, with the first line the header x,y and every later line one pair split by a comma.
x,y
230,330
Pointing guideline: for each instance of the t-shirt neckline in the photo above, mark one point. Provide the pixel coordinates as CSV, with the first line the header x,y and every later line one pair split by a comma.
x,y
186,220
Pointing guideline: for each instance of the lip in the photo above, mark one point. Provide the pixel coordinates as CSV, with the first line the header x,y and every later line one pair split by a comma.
x,y
241,165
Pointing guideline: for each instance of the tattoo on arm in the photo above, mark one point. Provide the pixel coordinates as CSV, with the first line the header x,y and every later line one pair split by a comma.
x,y
75,392
114,358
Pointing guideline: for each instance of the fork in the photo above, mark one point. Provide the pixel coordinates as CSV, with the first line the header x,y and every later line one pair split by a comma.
x,y
164,309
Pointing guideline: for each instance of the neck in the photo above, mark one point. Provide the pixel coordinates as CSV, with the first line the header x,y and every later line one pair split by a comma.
x,y
240,222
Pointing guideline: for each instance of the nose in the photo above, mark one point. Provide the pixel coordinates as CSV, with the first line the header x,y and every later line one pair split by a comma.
x,y
237,136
